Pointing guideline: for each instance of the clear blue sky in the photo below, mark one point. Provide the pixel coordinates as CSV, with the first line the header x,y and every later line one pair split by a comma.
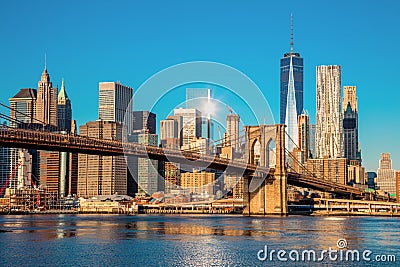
x,y
91,41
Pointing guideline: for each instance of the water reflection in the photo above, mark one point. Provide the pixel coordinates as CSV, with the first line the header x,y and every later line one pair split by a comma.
x,y
183,240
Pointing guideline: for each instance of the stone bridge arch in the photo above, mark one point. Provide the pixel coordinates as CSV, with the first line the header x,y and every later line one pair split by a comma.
x,y
265,135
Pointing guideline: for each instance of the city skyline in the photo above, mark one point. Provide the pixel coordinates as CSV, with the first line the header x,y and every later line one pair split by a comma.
x,y
356,70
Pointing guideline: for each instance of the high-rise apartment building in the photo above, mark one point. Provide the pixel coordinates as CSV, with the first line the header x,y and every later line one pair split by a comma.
x,y
385,179
101,175
328,136
350,124
232,129
46,103
64,110
115,103
191,124
291,92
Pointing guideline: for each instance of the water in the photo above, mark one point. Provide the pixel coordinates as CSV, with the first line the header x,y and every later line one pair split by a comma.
x,y
185,240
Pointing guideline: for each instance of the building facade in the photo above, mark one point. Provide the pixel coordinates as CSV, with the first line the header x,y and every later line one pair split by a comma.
x,y
350,124
198,183
385,179
232,129
144,121
64,110
101,175
115,103
200,99
147,176
191,124
304,136
332,169
46,103
329,126
22,114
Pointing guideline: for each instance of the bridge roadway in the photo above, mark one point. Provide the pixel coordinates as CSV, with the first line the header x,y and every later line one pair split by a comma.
x,y
40,140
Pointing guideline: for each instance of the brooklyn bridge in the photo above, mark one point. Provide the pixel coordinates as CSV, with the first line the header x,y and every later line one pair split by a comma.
x,y
265,187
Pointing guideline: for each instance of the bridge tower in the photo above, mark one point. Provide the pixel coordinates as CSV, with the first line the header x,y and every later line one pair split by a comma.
x,y
265,194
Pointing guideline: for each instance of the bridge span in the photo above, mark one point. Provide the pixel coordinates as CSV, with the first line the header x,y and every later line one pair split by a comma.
x,y
269,198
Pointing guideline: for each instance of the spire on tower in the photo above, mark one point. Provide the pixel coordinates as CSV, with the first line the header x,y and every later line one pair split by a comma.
x,y
45,67
291,33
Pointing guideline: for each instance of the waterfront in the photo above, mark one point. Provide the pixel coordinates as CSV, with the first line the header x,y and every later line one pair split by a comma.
x,y
183,240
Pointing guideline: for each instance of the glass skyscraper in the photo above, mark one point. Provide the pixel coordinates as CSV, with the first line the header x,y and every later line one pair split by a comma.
x,y
291,95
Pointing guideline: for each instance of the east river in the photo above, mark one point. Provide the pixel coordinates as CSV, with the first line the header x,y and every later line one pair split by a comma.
x,y
192,240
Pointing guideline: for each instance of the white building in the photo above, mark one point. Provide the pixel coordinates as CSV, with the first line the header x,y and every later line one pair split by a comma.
x,y
115,103
191,123
328,136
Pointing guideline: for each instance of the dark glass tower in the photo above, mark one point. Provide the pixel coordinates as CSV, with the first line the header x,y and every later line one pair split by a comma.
x,y
297,66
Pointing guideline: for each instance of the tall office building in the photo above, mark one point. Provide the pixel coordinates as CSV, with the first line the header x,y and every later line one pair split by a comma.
x,y
115,103
291,92
23,107
191,124
304,135
50,171
385,179
170,132
312,128
64,110
200,99
147,177
144,121
64,113
22,113
46,103
328,136
101,175
350,124
232,129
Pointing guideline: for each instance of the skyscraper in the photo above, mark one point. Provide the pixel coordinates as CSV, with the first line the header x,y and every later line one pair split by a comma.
x,y
328,136
200,99
304,135
386,180
350,124
291,95
115,103
191,124
22,113
232,129
46,103
144,121
312,129
64,110
102,175
147,168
